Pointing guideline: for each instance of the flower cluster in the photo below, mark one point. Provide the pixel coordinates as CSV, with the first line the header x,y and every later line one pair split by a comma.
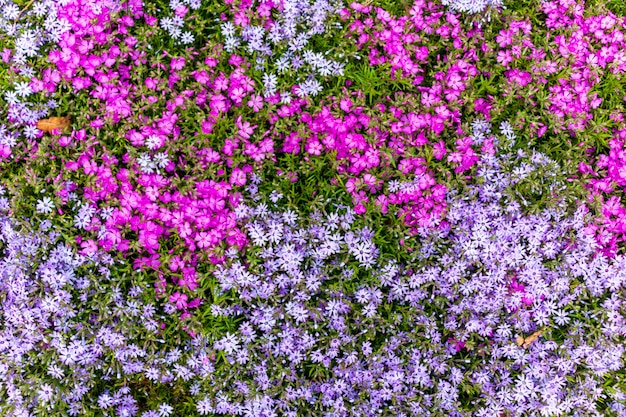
x,y
506,275
471,6
131,193
135,186
508,286
174,24
71,332
266,208
29,29
282,32
24,35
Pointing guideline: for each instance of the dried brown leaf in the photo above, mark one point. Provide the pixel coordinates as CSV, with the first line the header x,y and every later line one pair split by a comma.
x,y
47,125
525,342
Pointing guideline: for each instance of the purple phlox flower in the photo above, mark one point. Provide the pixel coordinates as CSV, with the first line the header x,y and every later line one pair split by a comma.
x,y
165,410
228,344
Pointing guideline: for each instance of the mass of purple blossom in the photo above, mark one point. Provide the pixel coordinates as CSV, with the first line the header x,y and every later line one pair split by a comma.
x,y
269,208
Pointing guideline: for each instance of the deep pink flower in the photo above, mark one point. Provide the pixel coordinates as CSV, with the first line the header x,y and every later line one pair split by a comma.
x,y
179,299
237,94
189,279
313,147
360,209
177,63
238,177
89,247
256,103
64,141
181,11
245,129
195,302
439,150
203,240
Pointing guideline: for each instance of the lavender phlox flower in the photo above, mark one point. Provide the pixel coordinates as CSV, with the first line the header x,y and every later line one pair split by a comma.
x,y
45,205
291,29
472,6
257,233
507,130
22,89
165,410
228,344
269,84
205,407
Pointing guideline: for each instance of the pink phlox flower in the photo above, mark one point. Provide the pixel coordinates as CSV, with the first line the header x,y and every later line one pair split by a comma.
x,y
439,150
181,11
238,177
245,129
89,247
314,147
360,209
189,279
195,302
237,94
179,299
203,240
177,63
256,103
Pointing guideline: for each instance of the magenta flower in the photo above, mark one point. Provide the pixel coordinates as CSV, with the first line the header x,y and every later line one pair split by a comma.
x,y
255,103
439,150
203,240
245,129
89,247
179,299
238,177
360,209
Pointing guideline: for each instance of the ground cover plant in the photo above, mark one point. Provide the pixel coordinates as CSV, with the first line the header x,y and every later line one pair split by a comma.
x,y
312,208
